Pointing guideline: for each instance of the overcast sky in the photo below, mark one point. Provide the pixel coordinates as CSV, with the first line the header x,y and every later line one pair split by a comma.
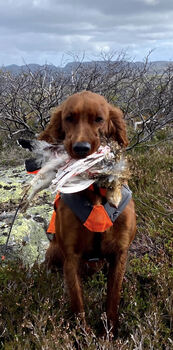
x,y
42,31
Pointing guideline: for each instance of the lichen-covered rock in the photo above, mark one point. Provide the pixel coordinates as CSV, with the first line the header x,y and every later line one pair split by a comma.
x,y
28,236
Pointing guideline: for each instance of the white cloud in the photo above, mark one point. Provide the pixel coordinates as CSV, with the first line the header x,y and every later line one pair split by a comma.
x,y
151,2
41,30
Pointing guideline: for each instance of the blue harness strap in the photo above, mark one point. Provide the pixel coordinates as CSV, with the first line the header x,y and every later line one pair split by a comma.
x,y
114,212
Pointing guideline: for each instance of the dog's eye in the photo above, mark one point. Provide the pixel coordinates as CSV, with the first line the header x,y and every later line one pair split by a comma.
x,y
99,119
69,118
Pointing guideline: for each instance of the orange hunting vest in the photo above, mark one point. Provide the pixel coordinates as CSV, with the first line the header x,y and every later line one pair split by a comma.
x,y
96,218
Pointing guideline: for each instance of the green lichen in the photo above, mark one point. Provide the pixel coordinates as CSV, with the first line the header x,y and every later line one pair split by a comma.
x,y
11,184
27,238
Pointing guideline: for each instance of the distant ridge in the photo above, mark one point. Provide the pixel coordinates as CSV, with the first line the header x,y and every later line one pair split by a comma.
x,y
158,66
33,67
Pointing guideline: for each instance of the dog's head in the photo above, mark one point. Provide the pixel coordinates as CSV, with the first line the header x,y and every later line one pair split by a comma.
x,y
80,121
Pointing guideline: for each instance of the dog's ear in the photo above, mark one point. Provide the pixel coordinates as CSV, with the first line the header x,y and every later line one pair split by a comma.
x,y
53,132
116,126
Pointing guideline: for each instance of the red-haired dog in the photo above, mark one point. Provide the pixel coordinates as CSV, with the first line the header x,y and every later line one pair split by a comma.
x,y
78,123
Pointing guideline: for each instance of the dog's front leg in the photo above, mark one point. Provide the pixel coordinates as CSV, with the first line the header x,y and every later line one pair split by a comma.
x,y
72,280
117,267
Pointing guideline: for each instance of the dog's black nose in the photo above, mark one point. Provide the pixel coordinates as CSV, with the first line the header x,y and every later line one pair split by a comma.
x,y
81,148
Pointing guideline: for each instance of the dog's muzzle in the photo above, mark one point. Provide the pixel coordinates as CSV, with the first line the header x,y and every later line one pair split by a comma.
x,y
81,149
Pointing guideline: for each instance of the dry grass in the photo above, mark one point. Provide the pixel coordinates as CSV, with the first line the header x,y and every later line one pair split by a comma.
x,y
34,313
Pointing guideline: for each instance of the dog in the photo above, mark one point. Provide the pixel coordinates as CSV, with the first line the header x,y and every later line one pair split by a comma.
x,y
78,123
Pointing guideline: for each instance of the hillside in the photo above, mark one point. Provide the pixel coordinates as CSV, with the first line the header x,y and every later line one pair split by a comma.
x,y
34,311
158,66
